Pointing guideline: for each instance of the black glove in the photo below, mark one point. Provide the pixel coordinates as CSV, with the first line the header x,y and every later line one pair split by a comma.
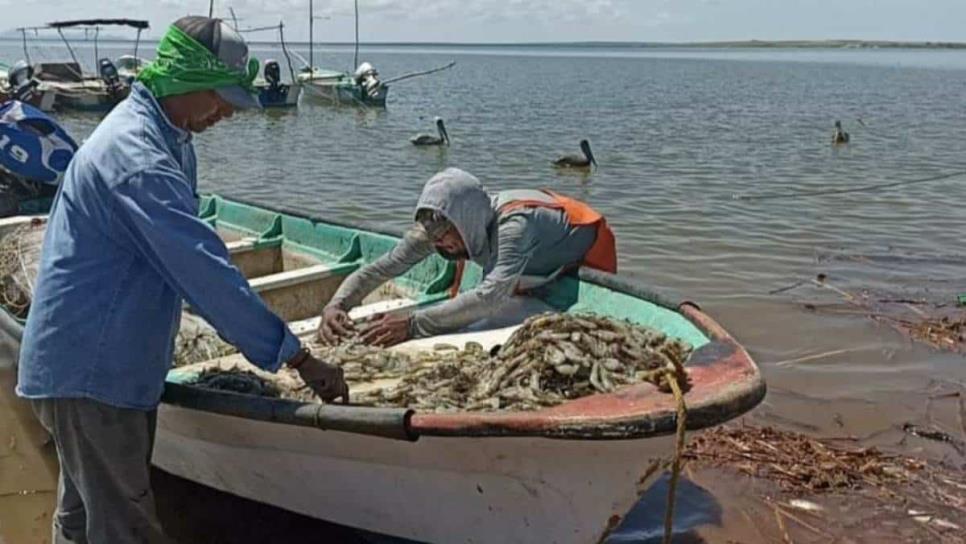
x,y
324,379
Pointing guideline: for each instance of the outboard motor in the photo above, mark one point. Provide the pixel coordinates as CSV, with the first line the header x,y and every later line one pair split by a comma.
x,y
34,154
22,82
273,74
367,76
110,76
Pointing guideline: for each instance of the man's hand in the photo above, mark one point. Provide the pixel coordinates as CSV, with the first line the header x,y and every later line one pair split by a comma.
x,y
324,379
387,330
333,324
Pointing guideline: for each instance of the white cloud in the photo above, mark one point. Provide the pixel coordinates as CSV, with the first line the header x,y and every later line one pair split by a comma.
x,y
537,20
473,9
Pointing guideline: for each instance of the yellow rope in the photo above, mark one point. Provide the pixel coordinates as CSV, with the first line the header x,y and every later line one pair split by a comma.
x,y
673,375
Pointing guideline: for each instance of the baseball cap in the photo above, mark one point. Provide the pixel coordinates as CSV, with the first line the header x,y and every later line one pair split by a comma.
x,y
229,47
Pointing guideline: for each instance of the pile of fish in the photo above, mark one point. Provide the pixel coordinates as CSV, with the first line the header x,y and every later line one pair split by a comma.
x,y
441,380
364,363
550,359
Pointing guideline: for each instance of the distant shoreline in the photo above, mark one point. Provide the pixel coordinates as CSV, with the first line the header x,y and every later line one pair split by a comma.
x,y
743,44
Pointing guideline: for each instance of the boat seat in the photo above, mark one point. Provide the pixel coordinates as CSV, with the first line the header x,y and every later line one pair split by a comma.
x,y
300,293
241,246
291,277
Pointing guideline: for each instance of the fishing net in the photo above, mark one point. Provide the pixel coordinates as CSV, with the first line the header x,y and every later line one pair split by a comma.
x,y
19,263
197,341
20,248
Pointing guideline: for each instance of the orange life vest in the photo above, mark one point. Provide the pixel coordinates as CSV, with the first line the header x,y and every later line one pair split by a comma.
x,y
601,256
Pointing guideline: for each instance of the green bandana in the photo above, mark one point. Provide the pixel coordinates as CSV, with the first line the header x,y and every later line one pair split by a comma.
x,y
183,66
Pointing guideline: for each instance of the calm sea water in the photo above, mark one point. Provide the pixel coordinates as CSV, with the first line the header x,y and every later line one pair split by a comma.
x,y
678,133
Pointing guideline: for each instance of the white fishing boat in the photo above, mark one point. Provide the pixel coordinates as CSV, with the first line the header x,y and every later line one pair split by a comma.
x,y
272,91
362,88
65,86
18,83
566,474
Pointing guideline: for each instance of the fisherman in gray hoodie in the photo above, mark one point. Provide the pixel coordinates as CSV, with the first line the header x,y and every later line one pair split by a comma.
x,y
521,239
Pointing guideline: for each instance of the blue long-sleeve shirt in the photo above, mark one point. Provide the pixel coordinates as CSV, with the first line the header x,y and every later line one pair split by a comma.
x,y
124,246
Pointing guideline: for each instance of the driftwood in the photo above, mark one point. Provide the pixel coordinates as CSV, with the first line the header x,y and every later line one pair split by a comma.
x,y
927,499
796,461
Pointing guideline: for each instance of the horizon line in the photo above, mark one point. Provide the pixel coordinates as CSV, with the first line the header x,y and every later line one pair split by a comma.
x,y
13,35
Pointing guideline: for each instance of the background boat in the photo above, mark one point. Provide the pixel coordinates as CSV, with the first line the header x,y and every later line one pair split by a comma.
x,y
362,88
65,86
272,91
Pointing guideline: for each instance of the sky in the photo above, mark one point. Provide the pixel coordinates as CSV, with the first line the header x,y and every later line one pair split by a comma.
x,y
515,21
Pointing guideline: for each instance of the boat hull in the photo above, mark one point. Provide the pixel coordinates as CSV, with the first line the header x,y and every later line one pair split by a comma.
x,y
339,92
434,489
41,98
85,97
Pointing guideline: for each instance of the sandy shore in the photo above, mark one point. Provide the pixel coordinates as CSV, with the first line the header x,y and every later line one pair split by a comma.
x,y
28,470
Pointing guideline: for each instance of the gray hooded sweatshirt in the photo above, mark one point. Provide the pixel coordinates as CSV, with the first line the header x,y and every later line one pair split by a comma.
x,y
524,247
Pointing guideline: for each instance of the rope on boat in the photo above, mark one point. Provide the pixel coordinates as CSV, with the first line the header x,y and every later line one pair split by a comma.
x,y
674,376
421,73
16,284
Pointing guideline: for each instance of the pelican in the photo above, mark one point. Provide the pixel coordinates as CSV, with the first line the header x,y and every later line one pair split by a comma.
x,y
576,161
840,136
429,139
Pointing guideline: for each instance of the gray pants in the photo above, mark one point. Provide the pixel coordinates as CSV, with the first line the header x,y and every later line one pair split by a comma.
x,y
103,493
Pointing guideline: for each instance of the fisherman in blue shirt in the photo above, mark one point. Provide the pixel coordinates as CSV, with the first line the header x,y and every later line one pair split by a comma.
x,y
124,247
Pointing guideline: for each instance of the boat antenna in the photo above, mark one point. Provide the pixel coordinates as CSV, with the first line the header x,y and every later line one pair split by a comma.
x,y
211,8
422,73
355,59
234,18
97,33
137,42
311,27
288,59
26,52
69,48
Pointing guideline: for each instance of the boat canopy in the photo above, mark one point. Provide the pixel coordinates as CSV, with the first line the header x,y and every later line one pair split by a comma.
x,y
133,23
86,24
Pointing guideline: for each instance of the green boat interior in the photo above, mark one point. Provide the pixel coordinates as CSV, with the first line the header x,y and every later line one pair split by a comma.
x,y
296,264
